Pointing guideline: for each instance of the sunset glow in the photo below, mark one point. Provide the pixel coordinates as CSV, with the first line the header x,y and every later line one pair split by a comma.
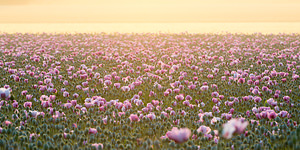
x,y
148,11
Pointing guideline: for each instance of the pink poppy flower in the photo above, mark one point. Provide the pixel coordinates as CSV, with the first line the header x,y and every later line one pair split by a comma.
x,y
140,93
17,79
88,105
210,76
257,99
92,131
4,93
179,97
7,122
286,99
117,85
176,122
46,103
258,116
102,108
66,94
241,80
52,97
79,87
166,93
29,97
165,114
75,95
172,113
186,103
74,102
68,105
283,80
66,82
107,82
151,116
221,97
24,92
234,126
176,91
215,100
34,113
271,102
15,104
125,88
188,97
134,118
179,135
283,114
204,129
27,104
228,116
204,88
44,98
272,115
155,102
264,114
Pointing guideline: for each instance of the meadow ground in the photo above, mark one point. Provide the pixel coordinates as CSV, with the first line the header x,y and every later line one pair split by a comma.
x,y
149,91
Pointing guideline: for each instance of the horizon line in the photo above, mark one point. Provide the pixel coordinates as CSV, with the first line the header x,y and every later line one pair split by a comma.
x,y
125,22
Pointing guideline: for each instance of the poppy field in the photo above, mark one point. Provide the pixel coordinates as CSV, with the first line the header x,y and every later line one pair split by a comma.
x,y
149,91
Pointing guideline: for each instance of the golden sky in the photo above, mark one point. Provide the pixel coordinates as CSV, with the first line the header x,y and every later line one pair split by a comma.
x,y
114,11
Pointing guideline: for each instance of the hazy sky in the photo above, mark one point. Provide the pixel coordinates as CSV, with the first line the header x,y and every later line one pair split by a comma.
x,y
86,11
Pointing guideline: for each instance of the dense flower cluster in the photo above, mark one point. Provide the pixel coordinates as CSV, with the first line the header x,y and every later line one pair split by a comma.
x,y
149,91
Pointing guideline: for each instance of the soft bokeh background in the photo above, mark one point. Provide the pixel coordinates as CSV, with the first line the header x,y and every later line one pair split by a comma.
x,y
138,15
